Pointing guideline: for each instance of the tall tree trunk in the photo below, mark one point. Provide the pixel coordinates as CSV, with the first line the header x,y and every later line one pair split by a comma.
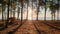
x,y
2,12
37,12
58,15
27,11
38,8
14,7
18,12
58,11
45,12
54,16
7,14
14,13
8,10
21,11
32,9
11,11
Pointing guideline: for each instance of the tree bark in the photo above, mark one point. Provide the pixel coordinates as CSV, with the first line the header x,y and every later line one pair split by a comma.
x,y
18,12
27,11
21,11
37,12
54,16
2,12
57,15
32,9
38,9
58,11
7,14
45,12
14,13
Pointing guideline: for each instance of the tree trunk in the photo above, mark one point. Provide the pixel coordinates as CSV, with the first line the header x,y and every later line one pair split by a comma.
x,y
27,12
57,15
21,11
18,12
11,11
38,9
54,16
45,12
37,12
8,10
58,11
14,13
2,12
32,9
7,14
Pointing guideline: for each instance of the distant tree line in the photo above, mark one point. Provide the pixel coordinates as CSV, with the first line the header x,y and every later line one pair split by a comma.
x,y
11,5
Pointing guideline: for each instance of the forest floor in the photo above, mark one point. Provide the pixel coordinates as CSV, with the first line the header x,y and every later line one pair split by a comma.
x,y
31,27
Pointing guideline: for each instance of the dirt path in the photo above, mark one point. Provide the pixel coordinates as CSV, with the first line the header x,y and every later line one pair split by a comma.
x,y
27,28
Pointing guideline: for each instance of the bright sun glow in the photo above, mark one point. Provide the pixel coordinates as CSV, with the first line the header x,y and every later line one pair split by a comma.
x,y
29,13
